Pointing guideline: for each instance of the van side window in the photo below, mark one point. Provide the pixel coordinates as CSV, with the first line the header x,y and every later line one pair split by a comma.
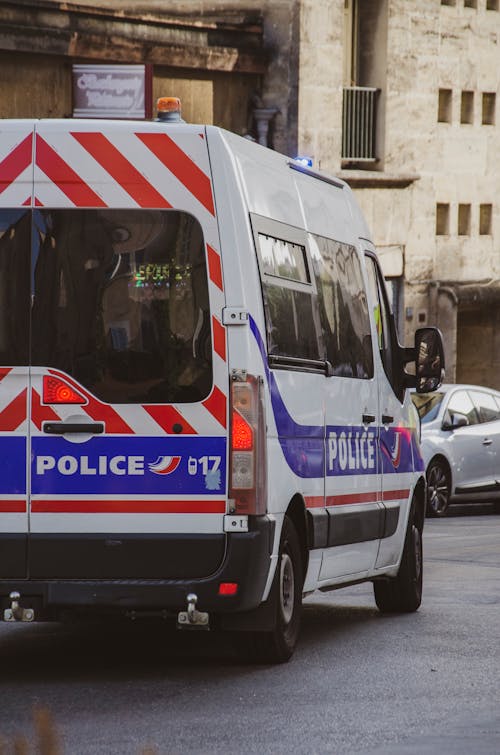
x,y
121,303
283,259
290,300
386,335
343,307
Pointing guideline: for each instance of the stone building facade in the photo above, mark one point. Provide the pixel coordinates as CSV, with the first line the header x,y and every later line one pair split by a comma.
x,y
432,194
399,97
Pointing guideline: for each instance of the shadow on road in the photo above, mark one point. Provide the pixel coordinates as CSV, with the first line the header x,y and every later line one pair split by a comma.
x,y
144,649
473,509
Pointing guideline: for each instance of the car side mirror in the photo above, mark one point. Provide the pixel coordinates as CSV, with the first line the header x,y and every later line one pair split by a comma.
x,y
453,422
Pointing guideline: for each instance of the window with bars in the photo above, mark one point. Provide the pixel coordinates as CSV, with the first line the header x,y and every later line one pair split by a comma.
x,y
359,121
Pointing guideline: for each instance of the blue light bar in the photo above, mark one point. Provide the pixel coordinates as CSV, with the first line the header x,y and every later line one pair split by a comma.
x,y
307,162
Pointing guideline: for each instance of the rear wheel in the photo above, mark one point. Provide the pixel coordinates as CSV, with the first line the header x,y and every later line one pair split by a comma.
x,y
277,645
438,488
403,593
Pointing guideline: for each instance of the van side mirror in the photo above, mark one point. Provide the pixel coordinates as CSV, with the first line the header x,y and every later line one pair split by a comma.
x,y
429,359
428,355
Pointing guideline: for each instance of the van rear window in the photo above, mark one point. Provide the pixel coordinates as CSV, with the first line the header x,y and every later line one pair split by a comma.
x,y
15,240
119,301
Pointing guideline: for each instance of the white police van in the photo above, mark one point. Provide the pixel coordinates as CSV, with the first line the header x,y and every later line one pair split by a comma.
x,y
204,410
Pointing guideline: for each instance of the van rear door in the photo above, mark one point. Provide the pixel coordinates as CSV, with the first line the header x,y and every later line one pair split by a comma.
x,y
16,181
128,381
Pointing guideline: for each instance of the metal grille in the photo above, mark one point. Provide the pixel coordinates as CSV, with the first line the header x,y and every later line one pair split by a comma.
x,y
359,123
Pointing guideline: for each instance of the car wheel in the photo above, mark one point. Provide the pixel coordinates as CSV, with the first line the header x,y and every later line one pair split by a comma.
x,y
438,488
403,593
277,645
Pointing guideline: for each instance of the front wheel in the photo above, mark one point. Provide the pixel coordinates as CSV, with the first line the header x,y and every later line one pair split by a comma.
x,y
438,488
403,593
277,645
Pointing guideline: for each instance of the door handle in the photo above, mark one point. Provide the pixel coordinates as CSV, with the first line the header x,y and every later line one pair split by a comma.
x,y
387,419
487,442
368,419
61,428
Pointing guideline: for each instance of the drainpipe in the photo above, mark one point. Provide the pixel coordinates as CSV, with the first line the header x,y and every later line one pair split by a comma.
x,y
263,116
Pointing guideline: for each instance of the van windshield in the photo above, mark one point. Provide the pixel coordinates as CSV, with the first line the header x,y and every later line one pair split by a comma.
x,y
119,300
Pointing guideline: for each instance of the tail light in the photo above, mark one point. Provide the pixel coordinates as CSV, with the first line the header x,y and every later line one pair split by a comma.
x,y
247,462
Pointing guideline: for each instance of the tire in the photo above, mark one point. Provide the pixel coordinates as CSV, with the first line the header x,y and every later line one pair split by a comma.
x,y
278,645
403,593
438,488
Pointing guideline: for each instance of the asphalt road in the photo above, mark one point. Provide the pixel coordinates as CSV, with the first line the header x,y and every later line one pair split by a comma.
x,y
359,682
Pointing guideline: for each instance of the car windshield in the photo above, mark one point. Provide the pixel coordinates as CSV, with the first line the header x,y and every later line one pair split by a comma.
x,y
427,405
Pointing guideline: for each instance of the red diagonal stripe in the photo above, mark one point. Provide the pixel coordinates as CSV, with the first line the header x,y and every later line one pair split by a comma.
x,y
41,413
96,409
60,173
14,413
167,417
4,371
15,162
119,168
217,405
183,168
219,338
113,423
214,267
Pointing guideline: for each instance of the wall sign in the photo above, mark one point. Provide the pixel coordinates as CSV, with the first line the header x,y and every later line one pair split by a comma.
x,y
112,91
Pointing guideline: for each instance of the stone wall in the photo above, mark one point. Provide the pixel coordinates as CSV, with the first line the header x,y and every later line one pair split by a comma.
x,y
294,54
320,82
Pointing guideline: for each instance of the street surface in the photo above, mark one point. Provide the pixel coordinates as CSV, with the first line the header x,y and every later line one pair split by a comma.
x,y
359,683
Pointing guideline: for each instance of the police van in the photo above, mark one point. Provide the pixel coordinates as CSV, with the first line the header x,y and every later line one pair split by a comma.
x,y
204,407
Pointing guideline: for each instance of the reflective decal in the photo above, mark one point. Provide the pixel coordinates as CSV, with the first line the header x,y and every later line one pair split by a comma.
x,y
350,450
189,465
12,464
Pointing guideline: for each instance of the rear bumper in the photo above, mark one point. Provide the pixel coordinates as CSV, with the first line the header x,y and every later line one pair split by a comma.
x,y
246,561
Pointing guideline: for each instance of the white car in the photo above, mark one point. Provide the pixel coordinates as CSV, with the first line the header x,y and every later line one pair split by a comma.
x,y
460,442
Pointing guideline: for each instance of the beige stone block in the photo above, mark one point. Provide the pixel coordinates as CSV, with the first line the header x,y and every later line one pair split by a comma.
x,y
321,21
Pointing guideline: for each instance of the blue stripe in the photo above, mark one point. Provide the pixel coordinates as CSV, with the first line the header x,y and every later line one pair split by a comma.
x,y
286,425
13,464
304,446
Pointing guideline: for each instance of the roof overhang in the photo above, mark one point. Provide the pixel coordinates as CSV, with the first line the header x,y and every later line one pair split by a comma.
x,y
226,42
472,295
